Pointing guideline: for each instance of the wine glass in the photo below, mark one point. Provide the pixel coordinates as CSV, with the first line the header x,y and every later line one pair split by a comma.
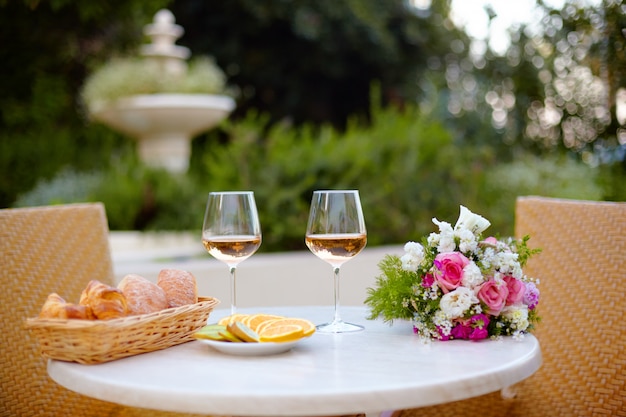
x,y
336,233
231,231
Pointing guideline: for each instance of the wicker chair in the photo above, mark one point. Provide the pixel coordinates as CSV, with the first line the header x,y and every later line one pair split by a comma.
x,y
582,269
44,250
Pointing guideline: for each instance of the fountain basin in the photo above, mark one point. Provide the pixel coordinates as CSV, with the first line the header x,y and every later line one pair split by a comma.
x,y
164,124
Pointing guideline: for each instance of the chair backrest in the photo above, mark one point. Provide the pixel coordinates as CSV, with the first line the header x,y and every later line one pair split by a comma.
x,y
582,272
582,269
46,249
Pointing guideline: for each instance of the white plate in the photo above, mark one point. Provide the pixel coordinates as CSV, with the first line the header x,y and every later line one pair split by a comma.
x,y
250,349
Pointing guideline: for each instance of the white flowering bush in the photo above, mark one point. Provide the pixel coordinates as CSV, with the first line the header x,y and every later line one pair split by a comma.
x,y
456,284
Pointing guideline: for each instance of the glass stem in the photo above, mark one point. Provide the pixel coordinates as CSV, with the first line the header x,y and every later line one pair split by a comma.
x,y
233,293
337,318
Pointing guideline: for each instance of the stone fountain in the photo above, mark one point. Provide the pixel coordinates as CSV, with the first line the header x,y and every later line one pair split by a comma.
x,y
164,124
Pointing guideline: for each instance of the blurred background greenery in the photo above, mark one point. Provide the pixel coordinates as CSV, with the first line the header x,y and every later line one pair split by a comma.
x,y
386,96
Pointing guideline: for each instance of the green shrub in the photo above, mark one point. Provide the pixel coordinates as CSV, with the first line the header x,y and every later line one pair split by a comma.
x,y
551,175
136,197
67,186
406,165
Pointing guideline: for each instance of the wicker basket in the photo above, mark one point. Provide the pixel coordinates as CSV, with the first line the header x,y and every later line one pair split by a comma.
x,y
98,341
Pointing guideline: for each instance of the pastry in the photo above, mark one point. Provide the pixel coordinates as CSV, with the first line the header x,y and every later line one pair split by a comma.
x,y
56,307
180,287
142,295
105,301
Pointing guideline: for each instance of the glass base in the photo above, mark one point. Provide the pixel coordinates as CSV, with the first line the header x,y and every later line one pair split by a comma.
x,y
338,327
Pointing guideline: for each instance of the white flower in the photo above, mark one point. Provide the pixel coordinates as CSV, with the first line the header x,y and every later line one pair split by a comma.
x,y
517,315
415,249
474,222
444,227
445,240
413,257
472,276
442,321
506,262
433,239
446,243
409,263
488,258
455,303
467,240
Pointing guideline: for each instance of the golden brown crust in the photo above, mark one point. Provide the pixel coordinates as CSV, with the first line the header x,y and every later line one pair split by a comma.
x,y
142,295
180,287
105,301
56,307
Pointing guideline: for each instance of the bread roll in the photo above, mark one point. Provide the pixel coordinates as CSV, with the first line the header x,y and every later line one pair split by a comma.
x,y
56,307
180,287
143,296
105,301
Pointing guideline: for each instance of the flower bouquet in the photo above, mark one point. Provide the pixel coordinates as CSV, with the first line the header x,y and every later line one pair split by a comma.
x,y
458,285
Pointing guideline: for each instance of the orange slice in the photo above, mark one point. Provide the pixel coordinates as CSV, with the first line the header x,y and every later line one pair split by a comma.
x,y
233,317
265,324
308,328
281,334
254,320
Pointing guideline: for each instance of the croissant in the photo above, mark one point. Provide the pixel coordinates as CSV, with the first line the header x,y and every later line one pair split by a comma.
x,y
105,301
56,307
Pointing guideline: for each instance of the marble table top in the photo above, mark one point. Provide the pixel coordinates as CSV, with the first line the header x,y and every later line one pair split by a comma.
x,y
381,368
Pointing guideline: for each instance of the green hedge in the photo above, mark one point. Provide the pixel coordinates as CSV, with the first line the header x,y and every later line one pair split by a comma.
x,y
406,165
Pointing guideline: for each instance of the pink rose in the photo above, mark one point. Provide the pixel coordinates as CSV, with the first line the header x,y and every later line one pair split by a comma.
x,y
493,295
516,288
449,271
491,241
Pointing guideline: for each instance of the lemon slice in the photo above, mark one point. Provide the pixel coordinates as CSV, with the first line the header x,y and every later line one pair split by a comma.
x,y
210,332
242,332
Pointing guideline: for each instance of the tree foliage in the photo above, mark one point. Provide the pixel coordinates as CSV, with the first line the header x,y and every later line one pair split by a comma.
x,y
312,62
48,48
315,60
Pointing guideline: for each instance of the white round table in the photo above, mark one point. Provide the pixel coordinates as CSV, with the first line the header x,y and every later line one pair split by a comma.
x,y
381,368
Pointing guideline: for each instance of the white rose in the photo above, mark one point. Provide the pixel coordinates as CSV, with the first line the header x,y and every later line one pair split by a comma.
x,y
455,303
477,224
